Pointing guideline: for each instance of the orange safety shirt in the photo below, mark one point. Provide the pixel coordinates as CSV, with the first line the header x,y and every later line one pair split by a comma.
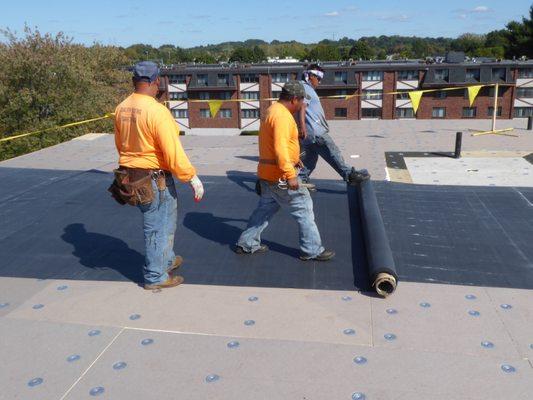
x,y
147,137
279,148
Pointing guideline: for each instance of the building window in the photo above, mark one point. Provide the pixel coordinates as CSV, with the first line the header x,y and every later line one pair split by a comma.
x,y
341,112
490,112
405,113
472,74
372,95
280,77
525,73
223,80
250,95
442,75
371,112
438,112
201,79
205,113
249,78
341,92
523,112
224,95
177,95
499,74
203,95
525,92
225,113
250,113
177,79
469,112
341,77
276,93
501,91
373,76
410,75
441,95
180,113
402,95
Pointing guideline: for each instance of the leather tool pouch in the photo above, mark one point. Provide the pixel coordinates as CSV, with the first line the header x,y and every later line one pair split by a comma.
x,y
132,186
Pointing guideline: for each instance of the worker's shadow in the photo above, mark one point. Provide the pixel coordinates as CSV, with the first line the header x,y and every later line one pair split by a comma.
x,y
219,230
101,252
245,180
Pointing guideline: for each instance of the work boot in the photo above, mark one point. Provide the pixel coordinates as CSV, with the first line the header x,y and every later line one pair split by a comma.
x,y
242,252
358,176
173,280
178,260
326,255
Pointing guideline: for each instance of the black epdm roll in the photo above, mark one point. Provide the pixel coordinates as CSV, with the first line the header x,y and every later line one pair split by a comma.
x,y
381,268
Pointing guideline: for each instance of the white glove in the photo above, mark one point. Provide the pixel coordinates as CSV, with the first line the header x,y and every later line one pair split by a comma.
x,y
197,188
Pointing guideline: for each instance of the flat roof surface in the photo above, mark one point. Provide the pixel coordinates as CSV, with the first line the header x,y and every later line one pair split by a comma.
x,y
75,323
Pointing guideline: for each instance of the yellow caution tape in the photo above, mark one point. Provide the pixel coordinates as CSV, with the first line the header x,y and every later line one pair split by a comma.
x,y
85,121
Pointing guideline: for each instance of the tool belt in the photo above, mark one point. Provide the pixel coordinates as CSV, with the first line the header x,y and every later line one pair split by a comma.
x,y
133,186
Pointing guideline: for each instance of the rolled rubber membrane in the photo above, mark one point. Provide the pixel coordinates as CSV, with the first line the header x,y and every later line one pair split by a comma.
x,y
381,267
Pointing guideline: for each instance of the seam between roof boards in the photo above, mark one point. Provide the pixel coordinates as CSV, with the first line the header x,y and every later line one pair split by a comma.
x,y
92,364
511,338
372,346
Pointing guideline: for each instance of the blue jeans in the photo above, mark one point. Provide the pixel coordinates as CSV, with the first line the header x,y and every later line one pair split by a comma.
x,y
159,224
325,147
298,203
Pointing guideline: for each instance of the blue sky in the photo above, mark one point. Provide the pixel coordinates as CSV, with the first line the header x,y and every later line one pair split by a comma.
x,y
191,23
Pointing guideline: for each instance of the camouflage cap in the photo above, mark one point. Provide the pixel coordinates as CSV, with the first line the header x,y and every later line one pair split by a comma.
x,y
296,89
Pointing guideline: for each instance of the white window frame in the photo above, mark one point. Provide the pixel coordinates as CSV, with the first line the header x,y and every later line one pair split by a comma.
x,y
374,76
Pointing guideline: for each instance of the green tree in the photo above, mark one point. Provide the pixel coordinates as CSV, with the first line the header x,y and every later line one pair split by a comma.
x,y
361,50
520,37
248,55
470,43
46,80
324,52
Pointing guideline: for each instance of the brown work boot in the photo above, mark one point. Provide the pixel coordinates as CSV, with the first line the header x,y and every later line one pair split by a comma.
x,y
176,264
173,280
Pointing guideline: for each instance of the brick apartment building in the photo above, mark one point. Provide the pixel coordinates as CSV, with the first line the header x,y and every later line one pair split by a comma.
x,y
255,82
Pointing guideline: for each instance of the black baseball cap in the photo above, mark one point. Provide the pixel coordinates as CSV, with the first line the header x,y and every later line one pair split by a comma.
x,y
296,89
145,71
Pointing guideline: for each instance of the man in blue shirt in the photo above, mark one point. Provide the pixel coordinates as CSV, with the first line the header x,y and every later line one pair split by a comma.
x,y
314,134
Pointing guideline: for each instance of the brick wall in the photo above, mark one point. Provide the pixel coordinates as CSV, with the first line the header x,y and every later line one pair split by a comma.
x,y
456,101
264,93
389,101
196,121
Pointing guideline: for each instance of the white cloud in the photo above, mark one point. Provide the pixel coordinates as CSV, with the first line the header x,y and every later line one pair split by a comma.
x,y
332,14
480,9
395,18
478,12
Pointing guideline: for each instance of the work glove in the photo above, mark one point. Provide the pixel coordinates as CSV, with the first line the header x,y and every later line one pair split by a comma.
x,y
197,188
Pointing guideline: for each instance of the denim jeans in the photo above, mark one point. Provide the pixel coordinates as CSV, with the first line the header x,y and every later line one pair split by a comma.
x,y
298,203
159,224
325,147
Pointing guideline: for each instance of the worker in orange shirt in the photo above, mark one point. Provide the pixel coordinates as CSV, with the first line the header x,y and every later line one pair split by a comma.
x,y
150,153
279,162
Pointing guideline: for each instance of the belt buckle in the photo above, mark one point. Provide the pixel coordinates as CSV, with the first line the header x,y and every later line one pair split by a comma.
x,y
157,174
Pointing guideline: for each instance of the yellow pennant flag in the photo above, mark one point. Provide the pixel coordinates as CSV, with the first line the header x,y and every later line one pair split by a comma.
x,y
415,96
214,107
473,92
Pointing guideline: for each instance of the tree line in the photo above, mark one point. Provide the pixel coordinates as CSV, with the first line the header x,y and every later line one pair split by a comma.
x,y
514,41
